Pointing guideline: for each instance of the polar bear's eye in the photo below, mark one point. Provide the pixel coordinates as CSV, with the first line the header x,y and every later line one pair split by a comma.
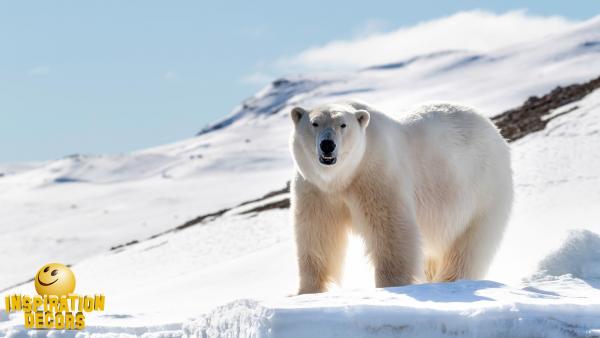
x,y
315,124
343,125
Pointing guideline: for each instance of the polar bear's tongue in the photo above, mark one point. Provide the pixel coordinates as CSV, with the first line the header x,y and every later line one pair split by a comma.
x,y
327,160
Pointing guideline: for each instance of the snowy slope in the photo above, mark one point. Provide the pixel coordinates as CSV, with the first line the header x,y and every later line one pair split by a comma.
x,y
75,209
120,198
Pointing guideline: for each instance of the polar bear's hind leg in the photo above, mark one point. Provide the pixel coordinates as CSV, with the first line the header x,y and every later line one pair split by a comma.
x,y
471,253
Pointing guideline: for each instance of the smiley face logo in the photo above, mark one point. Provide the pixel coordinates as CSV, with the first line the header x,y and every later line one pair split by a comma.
x,y
54,279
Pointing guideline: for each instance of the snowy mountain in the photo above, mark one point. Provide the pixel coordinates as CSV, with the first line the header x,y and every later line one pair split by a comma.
x,y
205,220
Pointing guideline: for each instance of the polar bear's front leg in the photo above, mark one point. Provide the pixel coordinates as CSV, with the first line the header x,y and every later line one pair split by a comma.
x,y
395,254
391,235
321,237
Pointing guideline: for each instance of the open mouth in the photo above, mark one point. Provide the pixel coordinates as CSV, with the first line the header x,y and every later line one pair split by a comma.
x,y
326,160
45,284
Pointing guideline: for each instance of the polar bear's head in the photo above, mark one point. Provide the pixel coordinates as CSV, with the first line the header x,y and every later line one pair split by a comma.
x,y
328,142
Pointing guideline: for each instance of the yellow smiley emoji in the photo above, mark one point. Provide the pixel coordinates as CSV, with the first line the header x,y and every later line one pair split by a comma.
x,y
54,279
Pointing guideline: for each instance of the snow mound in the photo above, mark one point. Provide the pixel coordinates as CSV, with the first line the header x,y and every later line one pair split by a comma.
x,y
578,256
461,309
241,318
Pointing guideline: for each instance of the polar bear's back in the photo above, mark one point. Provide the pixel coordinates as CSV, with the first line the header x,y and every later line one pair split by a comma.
x,y
460,140
459,163
458,124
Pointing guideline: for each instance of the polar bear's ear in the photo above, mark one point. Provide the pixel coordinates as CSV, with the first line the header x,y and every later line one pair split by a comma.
x,y
362,116
297,113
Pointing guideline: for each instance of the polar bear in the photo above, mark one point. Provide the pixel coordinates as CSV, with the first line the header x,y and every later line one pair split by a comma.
x,y
430,192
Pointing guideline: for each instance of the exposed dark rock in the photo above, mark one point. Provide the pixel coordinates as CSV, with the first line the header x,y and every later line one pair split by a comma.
x,y
411,60
590,44
280,82
17,284
24,282
64,179
124,245
281,204
268,195
194,221
201,219
532,115
206,218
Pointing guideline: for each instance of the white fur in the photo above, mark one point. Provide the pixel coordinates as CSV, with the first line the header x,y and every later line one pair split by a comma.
x,y
430,192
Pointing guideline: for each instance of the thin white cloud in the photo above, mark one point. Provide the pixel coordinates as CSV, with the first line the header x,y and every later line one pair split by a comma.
x,y
253,32
256,79
371,27
473,30
38,71
170,76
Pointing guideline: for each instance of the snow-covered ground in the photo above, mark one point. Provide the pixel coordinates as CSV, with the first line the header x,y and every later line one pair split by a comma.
x,y
73,210
464,308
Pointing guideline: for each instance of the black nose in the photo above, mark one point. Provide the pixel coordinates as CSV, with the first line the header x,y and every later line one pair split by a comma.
x,y
327,146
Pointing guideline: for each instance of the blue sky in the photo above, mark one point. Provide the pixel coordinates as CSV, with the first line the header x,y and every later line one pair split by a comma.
x,y
114,76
